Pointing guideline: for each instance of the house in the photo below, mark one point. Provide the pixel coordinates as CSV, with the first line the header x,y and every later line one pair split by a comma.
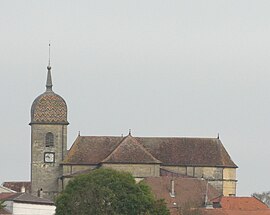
x,y
25,203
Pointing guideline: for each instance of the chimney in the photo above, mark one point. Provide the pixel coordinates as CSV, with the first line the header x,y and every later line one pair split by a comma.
x,y
23,189
172,193
40,193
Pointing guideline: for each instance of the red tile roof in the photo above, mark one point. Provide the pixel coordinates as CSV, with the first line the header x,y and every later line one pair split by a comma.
x,y
242,203
187,190
6,195
239,206
168,150
220,211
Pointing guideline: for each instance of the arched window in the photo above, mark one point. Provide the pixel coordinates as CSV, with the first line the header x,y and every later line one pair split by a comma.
x,y
49,139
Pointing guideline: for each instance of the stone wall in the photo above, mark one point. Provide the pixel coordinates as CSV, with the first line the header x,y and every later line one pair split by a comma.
x,y
45,175
229,184
137,170
223,179
71,169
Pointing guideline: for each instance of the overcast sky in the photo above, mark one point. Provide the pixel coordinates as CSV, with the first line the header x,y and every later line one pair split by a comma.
x,y
161,68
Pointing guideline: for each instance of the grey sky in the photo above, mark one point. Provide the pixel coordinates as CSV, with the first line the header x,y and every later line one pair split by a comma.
x,y
161,68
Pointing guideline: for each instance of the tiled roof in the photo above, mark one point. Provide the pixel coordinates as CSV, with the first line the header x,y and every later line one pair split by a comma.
x,y
49,108
168,150
188,151
17,185
220,211
242,203
91,150
130,151
25,198
187,190
238,206
6,195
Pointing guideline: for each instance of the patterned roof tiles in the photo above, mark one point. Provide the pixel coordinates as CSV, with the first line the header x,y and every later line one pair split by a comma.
x,y
49,108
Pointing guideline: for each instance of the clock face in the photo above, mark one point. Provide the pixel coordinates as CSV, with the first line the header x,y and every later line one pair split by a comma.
x,y
49,157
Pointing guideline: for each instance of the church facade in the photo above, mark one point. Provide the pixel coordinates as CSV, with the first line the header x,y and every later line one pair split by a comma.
x,y
52,165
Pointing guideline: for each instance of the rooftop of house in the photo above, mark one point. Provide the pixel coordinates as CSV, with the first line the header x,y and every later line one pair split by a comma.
x,y
242,203
238,206
187,191
220,211
24,198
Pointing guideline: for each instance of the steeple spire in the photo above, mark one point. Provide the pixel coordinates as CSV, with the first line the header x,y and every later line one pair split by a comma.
x,y
49,75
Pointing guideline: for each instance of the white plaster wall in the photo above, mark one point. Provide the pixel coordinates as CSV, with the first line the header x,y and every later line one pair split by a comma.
x,y
9,206
32,209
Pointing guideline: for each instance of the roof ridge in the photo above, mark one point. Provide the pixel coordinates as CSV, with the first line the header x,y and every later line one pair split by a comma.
x,y
105,159
139,145
19,194
222,151
178,137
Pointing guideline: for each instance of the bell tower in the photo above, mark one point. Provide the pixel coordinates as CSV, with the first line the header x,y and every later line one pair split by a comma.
x,y
48,141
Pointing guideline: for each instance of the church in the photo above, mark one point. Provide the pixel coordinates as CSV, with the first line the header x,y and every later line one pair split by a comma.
x,y
53,165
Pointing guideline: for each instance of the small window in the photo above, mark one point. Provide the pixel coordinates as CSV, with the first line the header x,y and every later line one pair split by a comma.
x,y
49,139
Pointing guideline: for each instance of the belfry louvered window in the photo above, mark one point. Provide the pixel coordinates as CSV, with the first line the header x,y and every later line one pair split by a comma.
x,y
49,139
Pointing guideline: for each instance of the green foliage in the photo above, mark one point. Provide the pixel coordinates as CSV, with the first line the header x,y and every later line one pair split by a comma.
x,y
108,192
2,204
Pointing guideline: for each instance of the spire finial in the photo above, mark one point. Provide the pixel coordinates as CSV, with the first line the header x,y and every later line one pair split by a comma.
x,y
218,136
129,132
49,76
49,63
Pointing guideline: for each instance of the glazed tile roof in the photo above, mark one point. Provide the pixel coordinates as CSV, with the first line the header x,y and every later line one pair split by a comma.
x,y
168,150
130,151
49,108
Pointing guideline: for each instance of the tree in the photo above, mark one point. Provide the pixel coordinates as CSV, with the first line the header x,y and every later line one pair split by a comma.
x,y
264,197
2,205
106,191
